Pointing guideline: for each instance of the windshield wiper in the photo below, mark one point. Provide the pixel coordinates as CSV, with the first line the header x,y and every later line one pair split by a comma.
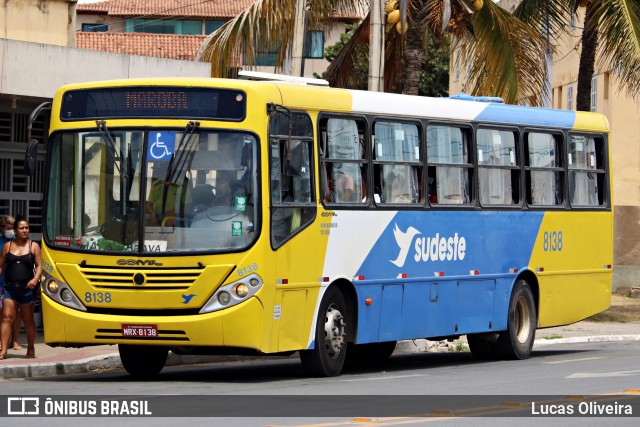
x,y
111,147
180,159
189,130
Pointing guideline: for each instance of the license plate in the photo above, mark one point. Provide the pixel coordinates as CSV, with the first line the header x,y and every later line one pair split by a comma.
x,y
140,331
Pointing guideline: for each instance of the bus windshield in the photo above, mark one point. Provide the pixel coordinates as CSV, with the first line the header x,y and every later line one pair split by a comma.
x,y
152,190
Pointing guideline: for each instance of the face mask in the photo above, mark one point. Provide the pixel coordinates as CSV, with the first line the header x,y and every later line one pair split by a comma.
x,y
9,234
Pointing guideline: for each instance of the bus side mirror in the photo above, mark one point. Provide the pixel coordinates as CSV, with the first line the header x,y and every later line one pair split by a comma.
x,y
30,157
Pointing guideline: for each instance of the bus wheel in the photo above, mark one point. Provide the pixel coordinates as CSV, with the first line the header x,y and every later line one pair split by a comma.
x,y
483,346
143,361
375,352
517,341
327,357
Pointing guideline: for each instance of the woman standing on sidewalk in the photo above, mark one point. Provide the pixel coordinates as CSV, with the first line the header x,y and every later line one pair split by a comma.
x,y
22,263
6,234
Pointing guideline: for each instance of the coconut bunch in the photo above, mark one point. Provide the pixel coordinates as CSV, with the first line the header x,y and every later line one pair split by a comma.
x,y
393,16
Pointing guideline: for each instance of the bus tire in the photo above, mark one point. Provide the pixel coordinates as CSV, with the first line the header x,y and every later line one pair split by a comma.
x,y
142,361
327,357
517,341
374,352
483,346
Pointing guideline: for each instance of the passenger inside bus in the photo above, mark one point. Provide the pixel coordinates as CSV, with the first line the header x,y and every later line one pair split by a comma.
x,y
399,185
228,187
228,202
431,188
202,196
168,203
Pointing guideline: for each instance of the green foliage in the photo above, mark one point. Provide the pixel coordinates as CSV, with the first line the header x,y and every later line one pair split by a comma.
x,y
359,79
434,76
460,347
332,51
553,337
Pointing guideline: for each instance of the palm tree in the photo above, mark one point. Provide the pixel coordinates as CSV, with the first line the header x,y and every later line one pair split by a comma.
x,y
611,39
508,54
267,25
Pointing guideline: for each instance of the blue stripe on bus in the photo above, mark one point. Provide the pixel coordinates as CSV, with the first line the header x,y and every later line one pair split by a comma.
x,y
503,113
419,246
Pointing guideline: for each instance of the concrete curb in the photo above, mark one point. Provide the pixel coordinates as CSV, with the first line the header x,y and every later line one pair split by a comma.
x,y
542,342
44,369
108,362
105,362
423,346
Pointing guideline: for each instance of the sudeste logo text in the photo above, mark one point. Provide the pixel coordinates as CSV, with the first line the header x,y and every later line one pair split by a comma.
x,y
429,248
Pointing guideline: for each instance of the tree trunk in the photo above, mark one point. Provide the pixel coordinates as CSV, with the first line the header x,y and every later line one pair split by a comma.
x,y
415,47
587,60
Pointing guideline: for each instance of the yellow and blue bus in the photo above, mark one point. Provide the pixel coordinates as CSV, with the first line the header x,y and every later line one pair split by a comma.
x,y
209,216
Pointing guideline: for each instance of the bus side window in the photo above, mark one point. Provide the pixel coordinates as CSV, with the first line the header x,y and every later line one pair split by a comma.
x,y
544,166
397,162
498,167
449,162
292,197
344,163
587,176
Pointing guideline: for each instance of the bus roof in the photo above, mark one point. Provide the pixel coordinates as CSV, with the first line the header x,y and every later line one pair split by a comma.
x,y
320,98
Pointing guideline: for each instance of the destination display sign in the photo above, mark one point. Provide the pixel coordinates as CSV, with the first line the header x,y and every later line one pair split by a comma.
x,y
154,101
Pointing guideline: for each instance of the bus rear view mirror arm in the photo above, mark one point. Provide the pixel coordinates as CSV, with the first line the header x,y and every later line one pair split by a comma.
x,y
32,146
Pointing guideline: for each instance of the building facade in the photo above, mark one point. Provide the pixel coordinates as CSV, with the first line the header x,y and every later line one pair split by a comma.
x,y
38,21
177,28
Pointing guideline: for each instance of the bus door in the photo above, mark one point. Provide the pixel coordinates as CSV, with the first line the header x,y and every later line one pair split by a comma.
x,y
292,211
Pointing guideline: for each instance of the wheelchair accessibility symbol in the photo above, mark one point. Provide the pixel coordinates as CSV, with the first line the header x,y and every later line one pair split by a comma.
x,y
161,145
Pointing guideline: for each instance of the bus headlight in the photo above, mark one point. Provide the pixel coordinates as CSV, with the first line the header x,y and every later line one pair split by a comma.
x,y
224,298
52,286
61,293
233,293
66,295
242,290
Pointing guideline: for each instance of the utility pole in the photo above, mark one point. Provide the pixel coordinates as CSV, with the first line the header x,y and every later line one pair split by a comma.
x,y
376,46
298,39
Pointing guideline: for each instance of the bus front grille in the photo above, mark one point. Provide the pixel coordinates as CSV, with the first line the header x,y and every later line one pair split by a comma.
x,y
140,278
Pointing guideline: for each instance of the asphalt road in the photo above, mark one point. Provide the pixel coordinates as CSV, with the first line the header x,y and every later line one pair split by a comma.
x,y
434,385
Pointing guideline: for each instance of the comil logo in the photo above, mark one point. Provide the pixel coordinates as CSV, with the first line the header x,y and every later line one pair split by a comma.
x,y
434,248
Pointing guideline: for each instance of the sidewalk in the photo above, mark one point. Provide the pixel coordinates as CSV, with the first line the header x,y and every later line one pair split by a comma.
x,y
59,361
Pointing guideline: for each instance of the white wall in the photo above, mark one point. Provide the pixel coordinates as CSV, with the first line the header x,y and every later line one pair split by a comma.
x,y
34,69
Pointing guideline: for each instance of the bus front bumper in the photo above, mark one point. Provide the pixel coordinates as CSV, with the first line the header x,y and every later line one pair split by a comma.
x,y
238,326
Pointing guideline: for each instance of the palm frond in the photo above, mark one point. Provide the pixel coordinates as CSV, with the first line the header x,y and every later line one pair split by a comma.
x,y
549,16
507,57
619,38
425,17
341,70
459,20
